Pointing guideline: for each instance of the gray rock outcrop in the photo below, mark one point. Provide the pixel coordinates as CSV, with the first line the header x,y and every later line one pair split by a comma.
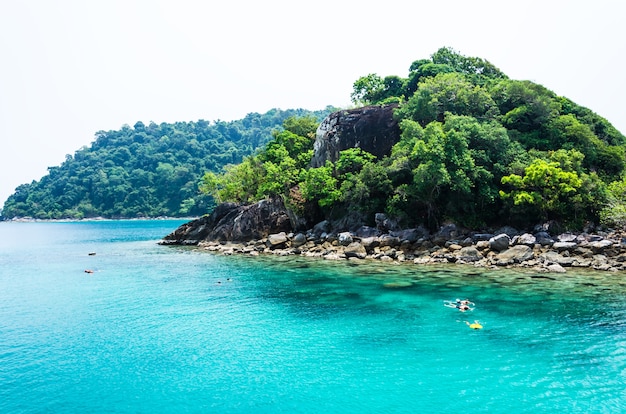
x,y
371,128
233,222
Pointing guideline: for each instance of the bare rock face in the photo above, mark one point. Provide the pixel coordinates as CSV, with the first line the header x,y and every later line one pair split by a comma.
x,y
233,222
371,128
193,232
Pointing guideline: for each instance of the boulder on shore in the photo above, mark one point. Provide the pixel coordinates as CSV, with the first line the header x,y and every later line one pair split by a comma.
x,y
235,223
516,254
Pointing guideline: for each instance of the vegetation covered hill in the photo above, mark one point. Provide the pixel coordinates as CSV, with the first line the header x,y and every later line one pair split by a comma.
x,y
147,170
476,148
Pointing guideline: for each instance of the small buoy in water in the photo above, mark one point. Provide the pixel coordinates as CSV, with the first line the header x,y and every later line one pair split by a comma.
x,y
88,271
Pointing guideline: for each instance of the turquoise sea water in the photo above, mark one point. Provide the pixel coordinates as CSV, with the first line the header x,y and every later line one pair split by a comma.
x,y
159,329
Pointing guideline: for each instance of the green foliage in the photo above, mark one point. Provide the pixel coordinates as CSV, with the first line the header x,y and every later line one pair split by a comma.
x,y
441,167
475,68
448,92
352,160
275,170
319,184
366,89
154,170
613,214
423,70
372,89
566,131
547,188
238,183
367,187
476,148
302,125
600,126
524,105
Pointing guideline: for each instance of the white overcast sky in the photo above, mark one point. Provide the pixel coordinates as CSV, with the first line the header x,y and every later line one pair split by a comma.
x,y
71,68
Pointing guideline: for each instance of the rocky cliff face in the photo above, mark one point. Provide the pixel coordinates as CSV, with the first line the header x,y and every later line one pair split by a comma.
x,y
233,222
371,128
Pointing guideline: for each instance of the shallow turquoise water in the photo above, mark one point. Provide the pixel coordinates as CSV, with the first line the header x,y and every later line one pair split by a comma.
x,y
160,329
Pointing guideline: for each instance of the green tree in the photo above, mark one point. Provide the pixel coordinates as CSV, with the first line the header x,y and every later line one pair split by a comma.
x,y
447,92
545,187
352,160
366,89
367,190
319,184
238,183
525,107
475,67
613,214
423,69
155,169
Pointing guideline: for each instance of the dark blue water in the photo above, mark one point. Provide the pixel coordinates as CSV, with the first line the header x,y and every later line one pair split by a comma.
x,y
158,329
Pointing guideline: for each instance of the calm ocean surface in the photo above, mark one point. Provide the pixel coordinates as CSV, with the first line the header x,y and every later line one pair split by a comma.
x,y
159,329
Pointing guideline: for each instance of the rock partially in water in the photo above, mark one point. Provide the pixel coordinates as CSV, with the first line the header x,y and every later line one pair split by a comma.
x,y
235,222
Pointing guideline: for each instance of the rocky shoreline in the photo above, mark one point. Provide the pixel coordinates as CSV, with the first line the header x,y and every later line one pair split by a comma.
x,y
504,248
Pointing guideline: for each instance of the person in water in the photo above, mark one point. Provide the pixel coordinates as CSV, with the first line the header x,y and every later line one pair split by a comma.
x,y
475,325
464,305
459,304
463,308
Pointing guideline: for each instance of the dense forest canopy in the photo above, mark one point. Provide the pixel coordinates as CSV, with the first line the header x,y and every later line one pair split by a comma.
x,y
146,170
476,148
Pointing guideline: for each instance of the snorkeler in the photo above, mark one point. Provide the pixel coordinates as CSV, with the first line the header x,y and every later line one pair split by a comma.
x,y
475,325
464,308
461,305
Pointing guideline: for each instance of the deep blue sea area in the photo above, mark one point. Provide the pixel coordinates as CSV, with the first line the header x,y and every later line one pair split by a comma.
x,y
162,329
